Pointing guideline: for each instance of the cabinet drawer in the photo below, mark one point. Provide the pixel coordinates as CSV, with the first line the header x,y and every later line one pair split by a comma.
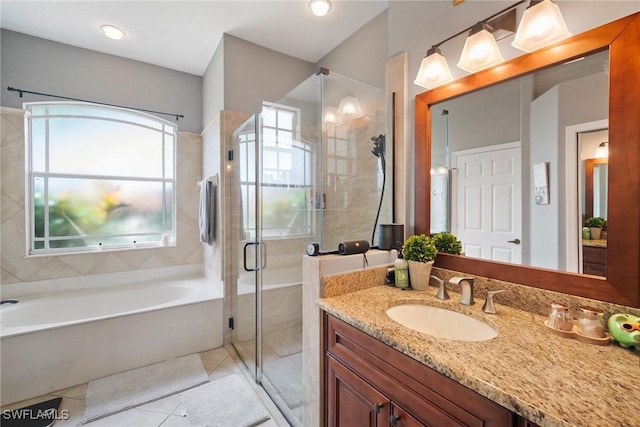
x,y
594,255
407,381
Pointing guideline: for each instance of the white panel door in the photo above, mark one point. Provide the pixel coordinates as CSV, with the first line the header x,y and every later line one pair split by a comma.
x,y
487,202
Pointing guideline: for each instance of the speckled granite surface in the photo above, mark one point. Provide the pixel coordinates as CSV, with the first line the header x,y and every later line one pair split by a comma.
x,y
548,379
600,243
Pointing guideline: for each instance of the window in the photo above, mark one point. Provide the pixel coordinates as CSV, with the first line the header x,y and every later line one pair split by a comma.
x,y
286,174
98,178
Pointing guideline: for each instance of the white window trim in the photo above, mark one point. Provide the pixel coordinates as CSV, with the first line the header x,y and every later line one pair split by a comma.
x,y
30,238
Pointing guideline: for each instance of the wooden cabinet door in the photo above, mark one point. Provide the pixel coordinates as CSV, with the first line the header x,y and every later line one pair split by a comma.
x,y
351,401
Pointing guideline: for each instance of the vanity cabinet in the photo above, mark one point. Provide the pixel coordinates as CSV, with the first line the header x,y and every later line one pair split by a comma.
x,y
371,384
594,260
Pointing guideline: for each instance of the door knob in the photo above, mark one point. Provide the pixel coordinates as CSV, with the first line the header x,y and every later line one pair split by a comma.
x,y
516,241
393,419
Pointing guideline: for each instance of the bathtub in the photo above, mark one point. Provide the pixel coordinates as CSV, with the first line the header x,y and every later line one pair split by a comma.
x,y
55,341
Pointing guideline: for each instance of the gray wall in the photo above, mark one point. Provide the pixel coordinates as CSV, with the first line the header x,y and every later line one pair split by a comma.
x,y
213,87
363,55
40,65
253,74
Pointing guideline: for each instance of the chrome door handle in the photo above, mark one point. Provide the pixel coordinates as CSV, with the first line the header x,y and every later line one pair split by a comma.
x,y
245,257
516,241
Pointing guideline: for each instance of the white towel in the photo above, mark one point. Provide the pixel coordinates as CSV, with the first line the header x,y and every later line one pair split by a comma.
x,y
207,220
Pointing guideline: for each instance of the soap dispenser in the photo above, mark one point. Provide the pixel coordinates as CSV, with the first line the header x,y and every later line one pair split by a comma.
x,y
401,271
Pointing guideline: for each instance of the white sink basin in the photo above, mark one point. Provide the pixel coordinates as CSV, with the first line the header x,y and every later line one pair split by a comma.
x,y
441,323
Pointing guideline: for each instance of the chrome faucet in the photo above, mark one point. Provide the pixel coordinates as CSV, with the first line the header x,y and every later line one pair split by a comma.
x,y
488,306
466,288
9,300
442,290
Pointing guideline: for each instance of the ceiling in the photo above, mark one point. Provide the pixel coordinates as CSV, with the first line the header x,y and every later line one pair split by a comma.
x,y
183,35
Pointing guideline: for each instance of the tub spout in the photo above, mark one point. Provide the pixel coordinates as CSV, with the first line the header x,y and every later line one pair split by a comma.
x,y
9,300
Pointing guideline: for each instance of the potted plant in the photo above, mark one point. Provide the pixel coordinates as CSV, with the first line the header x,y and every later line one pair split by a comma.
x,y
420,252
595,225
447,243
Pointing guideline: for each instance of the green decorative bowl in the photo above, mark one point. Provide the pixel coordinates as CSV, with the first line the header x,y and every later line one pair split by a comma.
x,y
625,328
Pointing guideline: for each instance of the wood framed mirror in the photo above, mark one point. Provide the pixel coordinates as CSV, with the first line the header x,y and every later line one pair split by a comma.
x,y
621,286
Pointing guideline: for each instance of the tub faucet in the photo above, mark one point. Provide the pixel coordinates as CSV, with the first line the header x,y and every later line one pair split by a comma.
x,y
466,288
9,300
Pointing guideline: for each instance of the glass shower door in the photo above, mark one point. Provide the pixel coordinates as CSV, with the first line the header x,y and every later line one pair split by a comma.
x,y
243,267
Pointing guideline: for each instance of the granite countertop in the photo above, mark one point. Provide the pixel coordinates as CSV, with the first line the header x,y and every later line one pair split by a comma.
x,y
548,379
600,243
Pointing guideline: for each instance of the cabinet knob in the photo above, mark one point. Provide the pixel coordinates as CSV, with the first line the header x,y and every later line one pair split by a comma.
x,y
393,419
377,407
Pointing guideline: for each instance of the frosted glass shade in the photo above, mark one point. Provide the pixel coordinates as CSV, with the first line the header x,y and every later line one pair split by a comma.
x,y
330,115
480,51
541,25
602,151
434,71
349,108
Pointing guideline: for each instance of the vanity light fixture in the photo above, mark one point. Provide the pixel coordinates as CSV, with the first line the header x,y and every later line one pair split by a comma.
x,y
112,31
320,7
602,152
434,70
480,50
349,108
542,24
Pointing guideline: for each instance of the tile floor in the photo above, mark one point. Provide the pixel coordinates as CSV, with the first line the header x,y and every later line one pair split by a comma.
x,y
218,363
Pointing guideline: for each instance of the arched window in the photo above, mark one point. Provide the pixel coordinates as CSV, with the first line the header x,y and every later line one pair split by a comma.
x,y
99,178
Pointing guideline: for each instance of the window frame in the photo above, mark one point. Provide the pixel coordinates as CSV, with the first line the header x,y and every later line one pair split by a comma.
x,y
297,144
168,236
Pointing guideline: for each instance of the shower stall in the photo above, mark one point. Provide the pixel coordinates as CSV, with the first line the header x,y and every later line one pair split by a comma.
x,y
314,167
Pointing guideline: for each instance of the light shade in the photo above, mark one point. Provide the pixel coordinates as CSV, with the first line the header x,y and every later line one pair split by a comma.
x,y
541,25
480,51
434,70
112,31
602,151
320,7
349,108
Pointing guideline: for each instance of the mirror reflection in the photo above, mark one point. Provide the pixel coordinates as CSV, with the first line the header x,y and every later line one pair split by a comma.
x,y
509,167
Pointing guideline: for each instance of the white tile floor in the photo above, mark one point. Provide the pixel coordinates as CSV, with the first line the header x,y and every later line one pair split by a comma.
x,y
218,363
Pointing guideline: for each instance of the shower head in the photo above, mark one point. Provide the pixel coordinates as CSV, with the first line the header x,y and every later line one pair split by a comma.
x,y
378,145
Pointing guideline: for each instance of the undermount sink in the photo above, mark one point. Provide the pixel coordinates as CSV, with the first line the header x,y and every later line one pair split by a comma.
x,y
441,323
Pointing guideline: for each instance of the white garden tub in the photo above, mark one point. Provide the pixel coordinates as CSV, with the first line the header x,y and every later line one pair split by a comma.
x,y
56,341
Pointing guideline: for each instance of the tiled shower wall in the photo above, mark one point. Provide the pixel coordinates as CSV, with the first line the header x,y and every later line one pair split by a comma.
x,y
352,182
16,268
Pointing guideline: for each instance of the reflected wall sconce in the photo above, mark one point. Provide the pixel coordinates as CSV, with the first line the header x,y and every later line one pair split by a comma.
x,y
320,7
541,25
602,151
349,108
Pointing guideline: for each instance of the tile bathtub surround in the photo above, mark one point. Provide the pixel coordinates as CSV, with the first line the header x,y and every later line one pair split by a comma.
x,y
16,268
549,380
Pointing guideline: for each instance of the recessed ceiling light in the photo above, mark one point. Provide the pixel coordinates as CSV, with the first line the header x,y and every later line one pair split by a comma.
x,y
112,31
320,7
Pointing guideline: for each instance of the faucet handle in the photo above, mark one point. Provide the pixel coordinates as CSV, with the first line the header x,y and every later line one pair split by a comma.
x,y
488,306
442,290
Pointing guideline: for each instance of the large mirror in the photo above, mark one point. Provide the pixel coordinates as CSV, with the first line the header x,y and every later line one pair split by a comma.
x,y
518,108
507,156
